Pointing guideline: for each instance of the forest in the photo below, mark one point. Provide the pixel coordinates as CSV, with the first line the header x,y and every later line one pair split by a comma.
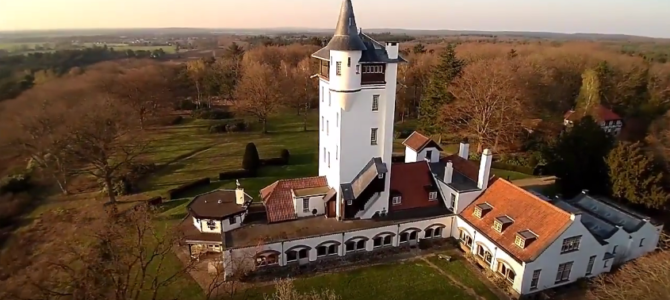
x,y
92,113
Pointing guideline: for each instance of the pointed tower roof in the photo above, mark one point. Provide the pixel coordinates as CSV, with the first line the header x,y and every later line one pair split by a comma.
x,y
346,36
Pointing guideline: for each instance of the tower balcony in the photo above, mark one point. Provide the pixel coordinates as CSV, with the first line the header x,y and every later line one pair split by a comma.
x,y
371,73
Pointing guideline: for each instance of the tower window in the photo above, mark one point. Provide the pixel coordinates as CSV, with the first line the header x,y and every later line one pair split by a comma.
x,y
323,123
324,154
323,96
375,102
338,68
373,136
329,159
327,127
337,119
358,69
329,94
337,150
348,61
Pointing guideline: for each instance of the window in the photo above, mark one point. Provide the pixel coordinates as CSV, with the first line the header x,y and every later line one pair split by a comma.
x,y
323,96
337,120
387,240
519,241
380,176
338,68
348,61
360,245
232,220
350,246
571,244
358,67
428,234
396,200
497,225
337,150
329,94
641,242
350,202
373,69
377,242
535,280
211,224
291,256
305,205
327,127
453,201
404,237
484,254
614,249
329,159
589,267
373,136
323,123
324,154
437,232
507,272
432,196
412,236
429,154
563,273
465,238
268,260
302,254
606,264
375,102
326,250
355,245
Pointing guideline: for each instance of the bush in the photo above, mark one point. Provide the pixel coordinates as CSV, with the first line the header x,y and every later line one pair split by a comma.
x,y
17,183
251,161
176,120
237,174
185,105
218,128
177,193
285,155
398,158
211,114
276,161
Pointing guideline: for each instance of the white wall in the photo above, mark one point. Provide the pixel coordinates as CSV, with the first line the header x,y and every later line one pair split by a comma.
x,y
463,199
224,225
238,257
348,80
413,156
205,228
498,254
551,258
315,202
650,234
410,155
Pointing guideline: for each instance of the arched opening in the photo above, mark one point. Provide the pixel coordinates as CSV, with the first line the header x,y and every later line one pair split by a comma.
x,y
433,231
484,253
297,253
355,244
267,258
409,235
327,249
506,271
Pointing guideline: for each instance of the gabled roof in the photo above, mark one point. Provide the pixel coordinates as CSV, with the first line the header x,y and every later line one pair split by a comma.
x,y
217,204
278,198
410,181
351,190
529,212
599,112
417,142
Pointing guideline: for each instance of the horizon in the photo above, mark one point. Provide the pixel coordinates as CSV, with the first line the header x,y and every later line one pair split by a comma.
x,y
645,18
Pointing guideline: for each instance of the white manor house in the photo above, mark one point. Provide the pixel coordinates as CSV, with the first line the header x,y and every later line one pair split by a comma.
x,y
362,202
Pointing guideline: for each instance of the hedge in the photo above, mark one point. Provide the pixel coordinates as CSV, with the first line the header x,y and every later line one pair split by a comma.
x,y
275,161
15,184
235,175
520,169
211,114
176,192
155,201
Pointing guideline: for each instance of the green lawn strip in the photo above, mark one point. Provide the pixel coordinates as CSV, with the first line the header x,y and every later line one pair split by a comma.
x,y
404,280
510,175
460,272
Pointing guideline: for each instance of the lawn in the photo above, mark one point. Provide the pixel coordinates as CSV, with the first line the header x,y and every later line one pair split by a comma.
x,y
404,280
462,273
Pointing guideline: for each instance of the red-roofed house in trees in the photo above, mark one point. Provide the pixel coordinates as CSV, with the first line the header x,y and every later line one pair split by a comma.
x,y
608,120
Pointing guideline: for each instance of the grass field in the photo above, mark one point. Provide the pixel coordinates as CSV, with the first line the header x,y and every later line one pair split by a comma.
x,y
401,281
460,271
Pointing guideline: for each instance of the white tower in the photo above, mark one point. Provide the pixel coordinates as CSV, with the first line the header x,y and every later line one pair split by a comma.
x,y
357,103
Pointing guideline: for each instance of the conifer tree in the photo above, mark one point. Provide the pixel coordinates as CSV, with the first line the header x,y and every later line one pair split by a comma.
x,y
633,176
437,90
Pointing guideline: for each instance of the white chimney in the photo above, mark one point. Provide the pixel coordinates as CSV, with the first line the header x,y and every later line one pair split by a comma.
x,y
448,172
485,169
464,149
392,50
239,194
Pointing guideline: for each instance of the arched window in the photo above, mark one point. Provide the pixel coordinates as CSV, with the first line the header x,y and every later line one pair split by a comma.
x,y
384,239
327,248
433,231
484,253
464,237
267,258
506,271
297,252
409,235
355,244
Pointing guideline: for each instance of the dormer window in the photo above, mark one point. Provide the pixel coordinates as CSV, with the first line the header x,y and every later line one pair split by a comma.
x,y
211,225
481,209
523,238
396,200
432,196
501,223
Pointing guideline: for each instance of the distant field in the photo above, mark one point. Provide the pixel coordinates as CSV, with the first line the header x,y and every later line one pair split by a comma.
x,y
123,47
15,48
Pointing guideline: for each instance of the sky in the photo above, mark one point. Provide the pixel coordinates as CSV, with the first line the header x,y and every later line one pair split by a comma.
x,y
637,17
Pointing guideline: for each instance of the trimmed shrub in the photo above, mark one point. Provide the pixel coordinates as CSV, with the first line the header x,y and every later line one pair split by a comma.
x,y
177,120
275,161
218,128
237,174
251,161
177,193
285,155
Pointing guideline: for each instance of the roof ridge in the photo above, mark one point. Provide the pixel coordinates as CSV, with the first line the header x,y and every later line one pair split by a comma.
x,y
534,196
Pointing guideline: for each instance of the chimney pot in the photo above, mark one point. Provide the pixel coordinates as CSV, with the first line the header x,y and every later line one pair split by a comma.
x,y
448,172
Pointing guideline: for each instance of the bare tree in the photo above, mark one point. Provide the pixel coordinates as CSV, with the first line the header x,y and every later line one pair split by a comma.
x,y
103,138
487,102
646,278
258,93
196,71
285,290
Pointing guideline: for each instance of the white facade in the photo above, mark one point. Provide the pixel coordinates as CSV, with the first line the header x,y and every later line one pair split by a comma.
x,y
356,121
430,154
243,258
314,206
219,226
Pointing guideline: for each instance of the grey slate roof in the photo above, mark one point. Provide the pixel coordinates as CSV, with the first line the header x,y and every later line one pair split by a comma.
x,y
353,189
459,182
346,36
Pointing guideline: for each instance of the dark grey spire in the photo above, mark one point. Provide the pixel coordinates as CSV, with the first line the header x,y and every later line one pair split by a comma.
x,y
346,36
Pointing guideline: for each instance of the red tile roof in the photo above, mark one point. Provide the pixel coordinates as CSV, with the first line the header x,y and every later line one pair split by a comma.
x,y
528,212
278,198
410,180
417,142
600,113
